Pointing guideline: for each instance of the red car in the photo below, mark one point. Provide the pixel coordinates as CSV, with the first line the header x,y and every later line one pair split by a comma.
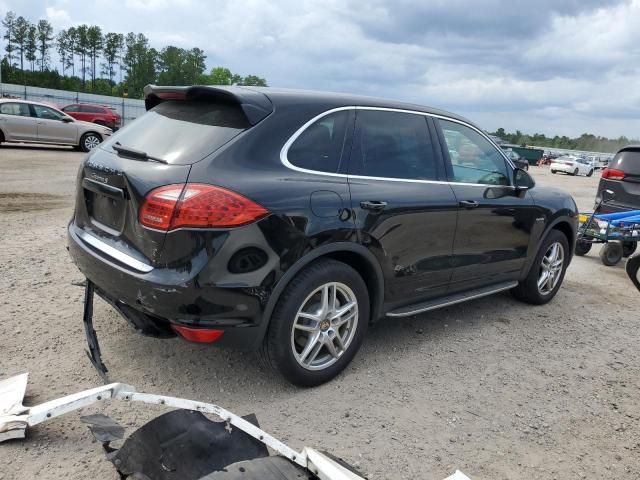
x,y
99,114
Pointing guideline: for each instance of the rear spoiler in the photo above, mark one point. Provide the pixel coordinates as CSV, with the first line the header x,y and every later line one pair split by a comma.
x,y
630,148
255,105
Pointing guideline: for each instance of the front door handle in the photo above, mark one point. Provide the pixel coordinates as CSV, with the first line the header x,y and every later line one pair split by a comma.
x,y
468,203
374,205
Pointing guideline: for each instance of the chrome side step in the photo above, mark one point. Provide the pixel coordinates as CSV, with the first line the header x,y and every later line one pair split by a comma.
x,y
450,300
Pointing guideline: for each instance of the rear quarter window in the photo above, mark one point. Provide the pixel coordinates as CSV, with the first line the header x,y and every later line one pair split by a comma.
x,y
319,147
182,131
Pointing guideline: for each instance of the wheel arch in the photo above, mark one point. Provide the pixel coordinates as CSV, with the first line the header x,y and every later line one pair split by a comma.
x,y
352,254
564,226
95,132
561,224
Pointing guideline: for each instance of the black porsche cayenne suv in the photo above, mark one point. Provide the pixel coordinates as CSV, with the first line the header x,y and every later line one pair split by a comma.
x,y
287,221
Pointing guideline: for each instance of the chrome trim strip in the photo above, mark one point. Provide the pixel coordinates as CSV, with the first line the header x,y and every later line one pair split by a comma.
x,y
285,148
452,302
114,253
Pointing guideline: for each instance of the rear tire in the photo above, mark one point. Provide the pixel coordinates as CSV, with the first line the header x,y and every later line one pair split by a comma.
x,y
575,172
1,137
582,248
302,323
529,289
611,253
89,141
628,248
553,171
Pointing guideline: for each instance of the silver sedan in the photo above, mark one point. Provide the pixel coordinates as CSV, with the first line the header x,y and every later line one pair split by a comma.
x,y
32,122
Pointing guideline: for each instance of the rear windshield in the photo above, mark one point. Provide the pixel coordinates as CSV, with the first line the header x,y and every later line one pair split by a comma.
x,y
628,161
182,131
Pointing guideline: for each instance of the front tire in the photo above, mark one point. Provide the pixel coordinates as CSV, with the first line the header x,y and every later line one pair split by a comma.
x,y
318,323
575,172
590,173
553,172
547,272
89,141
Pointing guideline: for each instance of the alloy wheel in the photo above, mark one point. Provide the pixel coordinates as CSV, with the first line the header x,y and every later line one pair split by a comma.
x,y
91,142
324,326
551,268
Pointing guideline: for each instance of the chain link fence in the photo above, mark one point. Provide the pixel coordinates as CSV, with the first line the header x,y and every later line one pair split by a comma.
x,y
128,108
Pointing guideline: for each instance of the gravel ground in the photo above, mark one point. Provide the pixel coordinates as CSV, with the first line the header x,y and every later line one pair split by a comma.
x,y
493,387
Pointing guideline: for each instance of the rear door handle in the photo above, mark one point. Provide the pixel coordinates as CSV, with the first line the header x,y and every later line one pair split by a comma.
x,y
374,205
468,203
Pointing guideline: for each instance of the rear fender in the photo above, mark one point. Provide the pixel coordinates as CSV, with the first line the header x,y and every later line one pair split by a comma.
x,y
377,296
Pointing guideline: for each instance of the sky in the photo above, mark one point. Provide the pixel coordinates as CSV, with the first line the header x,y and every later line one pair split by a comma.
x,y
562,67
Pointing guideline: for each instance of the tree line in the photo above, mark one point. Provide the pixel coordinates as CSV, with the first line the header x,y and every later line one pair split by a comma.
x,y
585,142
106,63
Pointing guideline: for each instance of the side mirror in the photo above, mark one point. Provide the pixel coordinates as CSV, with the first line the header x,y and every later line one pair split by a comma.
x,y
522,180
66,119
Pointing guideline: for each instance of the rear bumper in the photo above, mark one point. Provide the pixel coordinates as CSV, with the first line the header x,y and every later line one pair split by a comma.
x,y
166,296
559,167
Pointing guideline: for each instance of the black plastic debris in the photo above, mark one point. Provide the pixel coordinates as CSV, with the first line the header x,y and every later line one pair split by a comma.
x,y
184,445
103,428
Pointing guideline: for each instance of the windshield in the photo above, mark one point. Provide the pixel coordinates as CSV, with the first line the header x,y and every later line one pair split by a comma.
x,y
182,132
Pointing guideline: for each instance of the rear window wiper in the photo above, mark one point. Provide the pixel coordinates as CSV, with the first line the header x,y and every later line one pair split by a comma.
x,y
136,154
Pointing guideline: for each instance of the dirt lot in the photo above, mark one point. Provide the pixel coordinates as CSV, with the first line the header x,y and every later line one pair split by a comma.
x,y
495,388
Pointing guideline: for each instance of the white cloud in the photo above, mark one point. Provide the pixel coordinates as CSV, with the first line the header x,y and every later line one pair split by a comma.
x,y
59,18
552,66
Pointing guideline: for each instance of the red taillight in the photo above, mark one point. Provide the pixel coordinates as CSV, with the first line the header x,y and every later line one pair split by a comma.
x,y
157,209
200,335
613,174
197,205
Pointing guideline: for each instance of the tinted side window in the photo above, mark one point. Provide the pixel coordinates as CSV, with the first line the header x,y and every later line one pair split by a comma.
x,y
46,113
71,108
320,146
392,145
18,109
473,158
91,109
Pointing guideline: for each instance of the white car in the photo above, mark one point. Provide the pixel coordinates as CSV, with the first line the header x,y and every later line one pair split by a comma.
x,y
572,166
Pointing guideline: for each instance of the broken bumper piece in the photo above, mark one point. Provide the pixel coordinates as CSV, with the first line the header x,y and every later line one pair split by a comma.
x,y
182,444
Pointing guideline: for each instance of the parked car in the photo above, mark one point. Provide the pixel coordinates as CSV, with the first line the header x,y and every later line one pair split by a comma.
x,y
571,165
622,177
516,159
287,221
32,122
102,115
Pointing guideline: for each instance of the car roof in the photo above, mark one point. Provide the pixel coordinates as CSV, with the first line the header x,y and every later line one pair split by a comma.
x,y
28,102
88,104
334,99
261,97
